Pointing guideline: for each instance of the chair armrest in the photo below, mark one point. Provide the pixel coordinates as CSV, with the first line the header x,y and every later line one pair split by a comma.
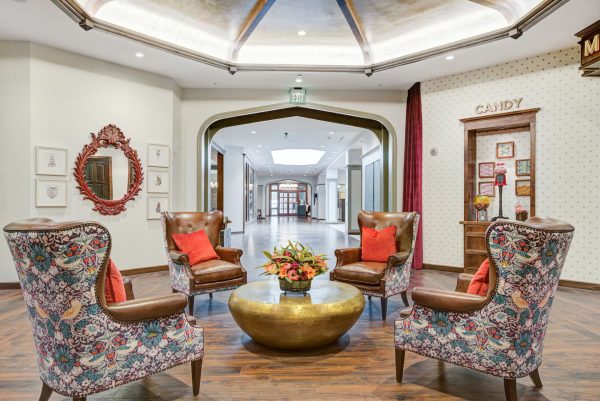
x,y
397,259
231,255
347,255
462,284
148,308
445,300
179,257
128,288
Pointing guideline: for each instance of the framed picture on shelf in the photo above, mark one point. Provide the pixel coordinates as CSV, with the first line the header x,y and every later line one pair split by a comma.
x,y
505,150
157,205
158,181
159,155
486,169
487,188
51,192
50,161
522,187
523,167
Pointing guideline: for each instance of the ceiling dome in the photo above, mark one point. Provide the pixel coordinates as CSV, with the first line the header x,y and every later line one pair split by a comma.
x,y
318,35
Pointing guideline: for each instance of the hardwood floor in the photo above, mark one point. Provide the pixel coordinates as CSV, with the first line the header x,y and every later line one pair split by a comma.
x,y
360,366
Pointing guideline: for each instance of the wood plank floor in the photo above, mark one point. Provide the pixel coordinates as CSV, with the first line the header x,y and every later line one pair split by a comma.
x,y
360,366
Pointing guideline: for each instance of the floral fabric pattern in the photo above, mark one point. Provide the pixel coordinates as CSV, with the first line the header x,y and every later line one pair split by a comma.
x,y
397,280
82,350
505,337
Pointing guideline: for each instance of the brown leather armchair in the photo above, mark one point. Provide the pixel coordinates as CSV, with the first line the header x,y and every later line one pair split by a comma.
x,y
377,279
207,277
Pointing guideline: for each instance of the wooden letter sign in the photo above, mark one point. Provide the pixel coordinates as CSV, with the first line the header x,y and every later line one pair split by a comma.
x,y
590,50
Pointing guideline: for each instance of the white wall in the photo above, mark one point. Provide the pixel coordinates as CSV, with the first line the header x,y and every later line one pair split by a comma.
x,y
233,191
15,144
567,151
70,96
198,105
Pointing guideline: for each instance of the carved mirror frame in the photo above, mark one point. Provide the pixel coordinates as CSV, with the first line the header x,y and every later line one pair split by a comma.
x,y
109,136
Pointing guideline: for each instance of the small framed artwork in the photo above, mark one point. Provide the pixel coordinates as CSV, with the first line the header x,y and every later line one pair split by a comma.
x,y
50,192
487,188
505,150
157,205
486,169
158,155
50,161
158,181
523,187
523,167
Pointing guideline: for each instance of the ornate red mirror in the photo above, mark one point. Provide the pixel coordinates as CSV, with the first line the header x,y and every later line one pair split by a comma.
x,y
106,168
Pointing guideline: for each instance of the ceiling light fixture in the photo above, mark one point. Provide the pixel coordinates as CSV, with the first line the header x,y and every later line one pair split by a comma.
x,y
296,157
260,146
299,78
449,57
253,132
139,55
301,33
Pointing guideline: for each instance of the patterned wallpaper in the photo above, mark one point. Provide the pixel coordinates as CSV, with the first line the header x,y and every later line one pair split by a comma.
x,y
568,150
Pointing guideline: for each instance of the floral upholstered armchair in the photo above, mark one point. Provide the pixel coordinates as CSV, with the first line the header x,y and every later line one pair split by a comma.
x,y
84,345
376,279
501,334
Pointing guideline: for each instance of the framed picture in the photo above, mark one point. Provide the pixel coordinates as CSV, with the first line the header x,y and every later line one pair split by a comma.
x,y
505,150
486,169
50,192
487,188
158,181
523,187
157,205
50,161
523,167
159,155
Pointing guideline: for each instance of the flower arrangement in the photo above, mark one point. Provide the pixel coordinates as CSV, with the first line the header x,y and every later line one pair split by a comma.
x,y
520,212
294,262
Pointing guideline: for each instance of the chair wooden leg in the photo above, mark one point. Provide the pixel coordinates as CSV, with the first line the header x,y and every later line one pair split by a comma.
x,y
196,375
399,364
78,398
383,308
46,392
535,378
404,298
510,389
210,295
191,304
369,296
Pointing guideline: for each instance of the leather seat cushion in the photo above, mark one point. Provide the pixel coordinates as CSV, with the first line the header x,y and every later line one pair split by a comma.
x,y
215,270
361,272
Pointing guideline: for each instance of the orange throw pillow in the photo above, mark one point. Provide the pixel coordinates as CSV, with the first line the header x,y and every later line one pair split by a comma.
x,y
196,245
114,289
378,246
480,282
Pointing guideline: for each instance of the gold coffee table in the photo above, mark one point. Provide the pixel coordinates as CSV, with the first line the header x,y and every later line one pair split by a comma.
x,y
296,321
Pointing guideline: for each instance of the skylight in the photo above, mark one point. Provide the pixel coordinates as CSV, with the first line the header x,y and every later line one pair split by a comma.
x,y
297,157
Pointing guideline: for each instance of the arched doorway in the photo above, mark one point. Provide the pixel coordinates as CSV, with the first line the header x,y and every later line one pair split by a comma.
x,y
287,198
378,125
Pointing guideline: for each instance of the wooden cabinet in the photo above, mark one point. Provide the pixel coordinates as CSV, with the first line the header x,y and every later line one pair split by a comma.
x,y
474,239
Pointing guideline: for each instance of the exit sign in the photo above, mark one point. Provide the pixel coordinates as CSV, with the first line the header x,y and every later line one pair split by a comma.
x,y
297,96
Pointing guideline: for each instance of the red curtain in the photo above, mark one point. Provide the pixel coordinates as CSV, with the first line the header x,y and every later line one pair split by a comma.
x,y
413,166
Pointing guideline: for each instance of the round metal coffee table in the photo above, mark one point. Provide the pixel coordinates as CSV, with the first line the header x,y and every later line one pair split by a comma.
x,y
296,321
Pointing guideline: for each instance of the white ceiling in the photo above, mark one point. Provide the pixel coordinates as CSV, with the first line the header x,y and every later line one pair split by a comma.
x,y
303,133
42,22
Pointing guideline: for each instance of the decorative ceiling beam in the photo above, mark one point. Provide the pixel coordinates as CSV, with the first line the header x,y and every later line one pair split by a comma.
x,y
356,27
257,13
504,7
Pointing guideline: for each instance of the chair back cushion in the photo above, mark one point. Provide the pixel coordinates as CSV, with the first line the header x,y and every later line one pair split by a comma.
x,y
114,289
378,245
403,221
196,245
188,222
480,283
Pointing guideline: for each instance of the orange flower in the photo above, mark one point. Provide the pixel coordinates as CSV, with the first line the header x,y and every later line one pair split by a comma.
x,y
309,271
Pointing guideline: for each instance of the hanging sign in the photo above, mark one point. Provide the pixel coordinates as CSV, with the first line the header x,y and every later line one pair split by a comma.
x,y
590,50
297,96
502,105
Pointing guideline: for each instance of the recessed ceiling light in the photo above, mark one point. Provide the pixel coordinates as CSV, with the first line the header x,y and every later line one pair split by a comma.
x,y
449,57
322,146
330,132
260,146
253,132
299,78
333,152
139,55
301,33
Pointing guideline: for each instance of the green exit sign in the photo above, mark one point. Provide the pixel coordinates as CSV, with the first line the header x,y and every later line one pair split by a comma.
x,y
297,96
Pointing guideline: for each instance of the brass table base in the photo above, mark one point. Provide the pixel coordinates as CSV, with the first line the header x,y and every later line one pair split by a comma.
x,y
296,321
